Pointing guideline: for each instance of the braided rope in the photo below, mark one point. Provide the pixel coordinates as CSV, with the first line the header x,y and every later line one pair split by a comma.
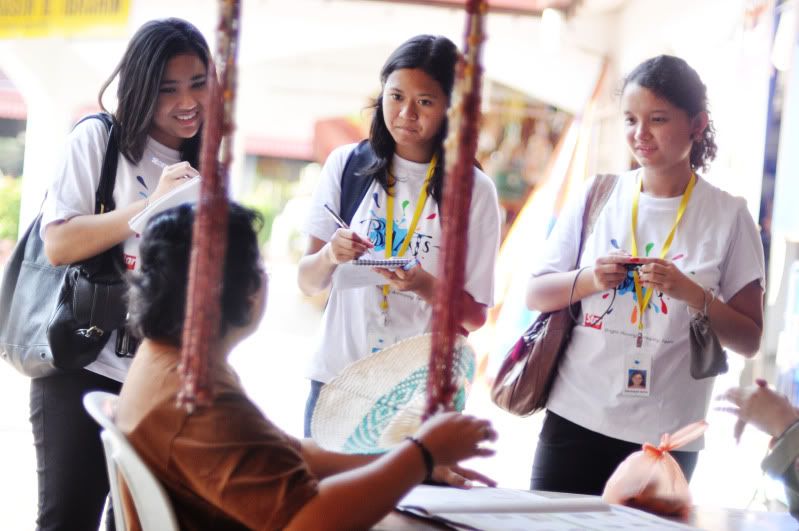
x,y
201,324
460,147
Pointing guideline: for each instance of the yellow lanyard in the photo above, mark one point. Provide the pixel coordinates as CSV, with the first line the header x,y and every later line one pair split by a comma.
x,y
643,301
431,168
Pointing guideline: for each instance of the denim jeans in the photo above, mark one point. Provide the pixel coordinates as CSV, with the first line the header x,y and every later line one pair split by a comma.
x,y
313,397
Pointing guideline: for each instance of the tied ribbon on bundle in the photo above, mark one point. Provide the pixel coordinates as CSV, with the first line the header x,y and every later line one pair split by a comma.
x,y
678,439
651,479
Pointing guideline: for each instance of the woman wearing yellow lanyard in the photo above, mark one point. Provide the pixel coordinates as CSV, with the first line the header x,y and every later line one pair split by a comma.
x,y
667,244
399,216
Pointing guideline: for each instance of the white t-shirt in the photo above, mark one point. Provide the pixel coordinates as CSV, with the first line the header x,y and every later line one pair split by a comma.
x,y
353,324
716,244
72,194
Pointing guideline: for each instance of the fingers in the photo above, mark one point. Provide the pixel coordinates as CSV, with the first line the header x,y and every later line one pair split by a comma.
x,y
453,479
388,274
609,272
732,395
728,409
484,452
473,475
346,245
738,430
181,170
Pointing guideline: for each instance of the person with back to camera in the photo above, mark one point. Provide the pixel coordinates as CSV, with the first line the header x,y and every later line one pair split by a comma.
x,y
407,131
162,95
772,413
226,466
713,263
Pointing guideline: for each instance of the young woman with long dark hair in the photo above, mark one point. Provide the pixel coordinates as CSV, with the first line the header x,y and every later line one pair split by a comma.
x,y
162,95
401,205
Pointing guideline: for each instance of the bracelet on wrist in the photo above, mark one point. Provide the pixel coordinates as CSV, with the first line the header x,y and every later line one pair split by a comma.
x,y
426,456
708,296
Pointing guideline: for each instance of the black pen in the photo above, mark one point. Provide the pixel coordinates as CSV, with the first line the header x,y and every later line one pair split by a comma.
x,y
340,222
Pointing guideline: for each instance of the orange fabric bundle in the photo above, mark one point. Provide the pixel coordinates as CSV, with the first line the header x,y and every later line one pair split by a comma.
x,y
651,479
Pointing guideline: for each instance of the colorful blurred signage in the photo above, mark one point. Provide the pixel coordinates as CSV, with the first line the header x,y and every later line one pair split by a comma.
x,y
42,18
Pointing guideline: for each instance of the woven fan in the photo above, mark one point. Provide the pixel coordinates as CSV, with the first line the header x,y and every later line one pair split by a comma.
x,y
379,400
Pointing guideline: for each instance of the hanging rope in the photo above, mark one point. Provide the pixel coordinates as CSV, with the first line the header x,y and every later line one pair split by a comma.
x,y
209,244
460,148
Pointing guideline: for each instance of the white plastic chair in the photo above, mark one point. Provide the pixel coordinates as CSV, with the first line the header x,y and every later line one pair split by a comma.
x,y
149,497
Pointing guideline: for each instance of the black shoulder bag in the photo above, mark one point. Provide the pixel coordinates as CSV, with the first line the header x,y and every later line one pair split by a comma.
x,y
60,317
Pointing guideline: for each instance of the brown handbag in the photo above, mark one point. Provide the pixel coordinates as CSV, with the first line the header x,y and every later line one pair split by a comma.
x,y
528,371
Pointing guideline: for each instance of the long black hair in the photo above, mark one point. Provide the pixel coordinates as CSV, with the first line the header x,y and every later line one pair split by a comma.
x,y
437,57
672,79
157,292
140,71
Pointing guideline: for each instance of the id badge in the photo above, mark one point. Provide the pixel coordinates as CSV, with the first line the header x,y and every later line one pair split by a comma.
x,y
637,379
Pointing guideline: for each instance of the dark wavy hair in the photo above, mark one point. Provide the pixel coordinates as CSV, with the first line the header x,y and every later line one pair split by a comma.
x,y
437,57
157,292
672,79
140,71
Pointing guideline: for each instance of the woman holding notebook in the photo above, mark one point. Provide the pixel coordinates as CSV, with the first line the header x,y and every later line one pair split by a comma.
x,y
395,215
161,95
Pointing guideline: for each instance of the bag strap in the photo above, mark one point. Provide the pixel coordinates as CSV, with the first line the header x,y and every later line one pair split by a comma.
x,y
598,195
104,195
354,184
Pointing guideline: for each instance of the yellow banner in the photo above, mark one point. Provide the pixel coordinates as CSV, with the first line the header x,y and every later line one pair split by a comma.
x,y
42,18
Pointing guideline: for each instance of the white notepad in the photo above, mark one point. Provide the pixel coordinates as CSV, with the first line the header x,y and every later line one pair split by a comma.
x,y
388,263
188,192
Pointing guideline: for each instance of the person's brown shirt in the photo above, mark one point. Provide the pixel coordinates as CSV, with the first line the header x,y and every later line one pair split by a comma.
x,y
225,466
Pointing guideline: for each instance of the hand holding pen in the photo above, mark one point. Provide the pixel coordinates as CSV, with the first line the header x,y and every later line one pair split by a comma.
x,y
172,176
346,244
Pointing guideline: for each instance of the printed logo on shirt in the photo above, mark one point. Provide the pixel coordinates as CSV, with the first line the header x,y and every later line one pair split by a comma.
x,y
420,243
130,262
593,321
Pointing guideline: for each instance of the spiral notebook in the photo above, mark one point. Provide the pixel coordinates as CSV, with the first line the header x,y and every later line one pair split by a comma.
x,y
382,262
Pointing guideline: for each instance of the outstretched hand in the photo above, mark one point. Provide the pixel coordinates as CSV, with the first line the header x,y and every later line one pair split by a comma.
x,y
760,406
460,477
452,437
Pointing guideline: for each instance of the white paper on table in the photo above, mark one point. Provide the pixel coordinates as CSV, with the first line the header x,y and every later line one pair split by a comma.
x,y
617,518
501,509
435,500
188,192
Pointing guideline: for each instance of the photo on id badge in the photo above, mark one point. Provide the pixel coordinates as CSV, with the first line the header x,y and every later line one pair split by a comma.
x,y
637,374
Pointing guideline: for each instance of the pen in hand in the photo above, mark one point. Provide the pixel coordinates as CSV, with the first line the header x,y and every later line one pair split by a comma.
x,y
355,237
340,222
